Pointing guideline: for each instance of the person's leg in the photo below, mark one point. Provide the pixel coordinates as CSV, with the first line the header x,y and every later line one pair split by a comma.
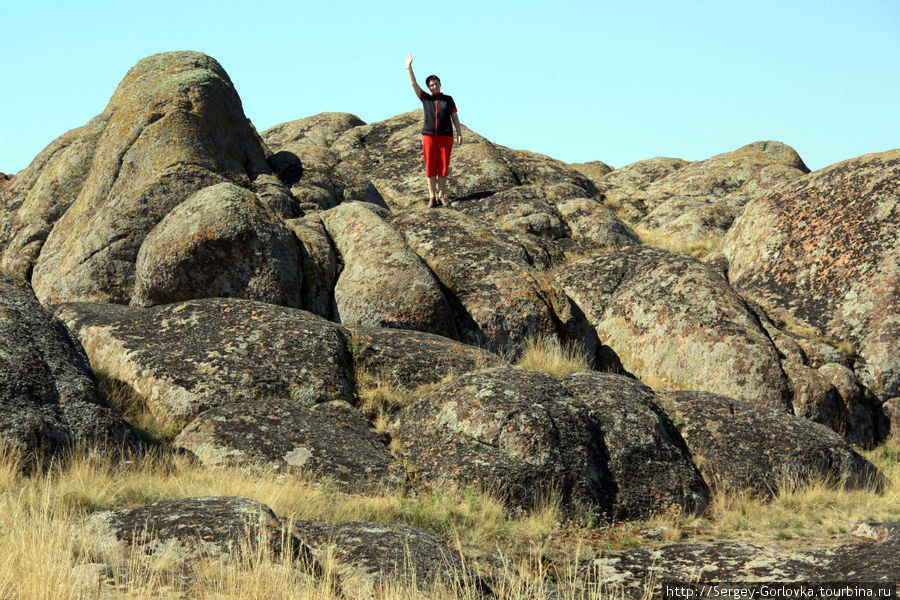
x,y
430,150
442,190
433,181
445,147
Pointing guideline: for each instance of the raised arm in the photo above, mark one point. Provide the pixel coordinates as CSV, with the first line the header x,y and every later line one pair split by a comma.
x,y
412,77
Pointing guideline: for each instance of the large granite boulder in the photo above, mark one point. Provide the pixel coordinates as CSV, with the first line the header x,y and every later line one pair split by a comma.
x,y
173,126
34,200
310,140
331,440
822,253
319,264
689,205
186,531
184,358
413,358
742,446
49,399
676,324
370,556
221,242
765,570
383,282
498,299
530,437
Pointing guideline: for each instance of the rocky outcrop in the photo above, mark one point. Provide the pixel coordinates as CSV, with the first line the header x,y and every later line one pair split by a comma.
x,y
383,282
741,446
32,203
50,401
184,358
220,242
173,126
852,561
531,438
822,253
186,531
498,300
372,555
692,204
412,358
331,440
318,263
676,324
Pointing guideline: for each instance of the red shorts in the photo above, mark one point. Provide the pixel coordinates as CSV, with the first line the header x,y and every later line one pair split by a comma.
x,y
437,154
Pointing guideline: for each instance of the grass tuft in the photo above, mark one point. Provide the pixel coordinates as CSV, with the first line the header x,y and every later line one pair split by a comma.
x,y
548,355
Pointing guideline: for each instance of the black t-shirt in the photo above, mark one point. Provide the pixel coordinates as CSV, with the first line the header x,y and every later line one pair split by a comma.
x,y
438,109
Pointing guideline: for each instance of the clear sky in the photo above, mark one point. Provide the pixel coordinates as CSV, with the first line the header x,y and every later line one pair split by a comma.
x,y
594,80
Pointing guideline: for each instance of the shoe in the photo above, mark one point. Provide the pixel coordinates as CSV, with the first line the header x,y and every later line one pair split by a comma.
x,y
444,201
432,203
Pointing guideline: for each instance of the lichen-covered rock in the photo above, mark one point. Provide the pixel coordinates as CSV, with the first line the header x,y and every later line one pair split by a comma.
x,y
174,125
861,428
49,398
185,358
771,570
371,555
217,528
220,242
497,299
413,358
694,204
331,440
742,446
649,462
814,397
319,265
528,436
32,203
383,282
823,250
890,409
676,324
593,225
593,170
310,140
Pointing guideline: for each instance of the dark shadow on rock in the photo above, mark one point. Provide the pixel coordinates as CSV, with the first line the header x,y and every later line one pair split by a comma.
x,y
286,166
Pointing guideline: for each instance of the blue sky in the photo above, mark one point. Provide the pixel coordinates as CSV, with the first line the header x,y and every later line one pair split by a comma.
x,y
610,81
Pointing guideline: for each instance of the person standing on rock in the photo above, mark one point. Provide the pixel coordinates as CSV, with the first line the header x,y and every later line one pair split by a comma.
x,y
437,133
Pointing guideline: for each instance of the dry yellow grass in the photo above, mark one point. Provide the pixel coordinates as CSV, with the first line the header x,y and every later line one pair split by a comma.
x,y
549,355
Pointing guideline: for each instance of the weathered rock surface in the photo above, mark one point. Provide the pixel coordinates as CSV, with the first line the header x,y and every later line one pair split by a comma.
x,y
49,399
739,561
528,436
824,251
331,440
32,202
383,282
693,204
220,242
593,170
310,139
413,358
185,531
498,300
319,265
742,446
649,462
371,555
676,324
173,126
185,358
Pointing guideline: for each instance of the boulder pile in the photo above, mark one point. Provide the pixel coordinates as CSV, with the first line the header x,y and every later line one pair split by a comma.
x,y
241,285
